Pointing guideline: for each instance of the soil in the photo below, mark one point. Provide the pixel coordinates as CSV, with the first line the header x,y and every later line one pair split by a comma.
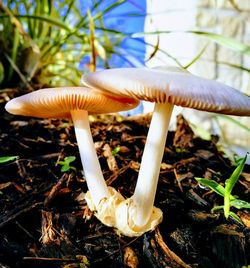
x,y
44,220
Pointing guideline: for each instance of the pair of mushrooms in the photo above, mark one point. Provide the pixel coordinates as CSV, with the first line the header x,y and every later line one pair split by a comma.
x,y
121,89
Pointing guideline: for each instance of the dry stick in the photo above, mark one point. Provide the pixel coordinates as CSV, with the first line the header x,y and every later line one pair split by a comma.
x,y
178,180
61,260
54,191
113,177
116,251
48,232
167,251
8,218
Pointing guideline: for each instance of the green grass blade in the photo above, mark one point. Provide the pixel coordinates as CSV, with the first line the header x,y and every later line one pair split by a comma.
x,y
196,57
92,42
4,159
2,74
29,22
109,8
216,208
235,217
230,183
225,41
159,49
130,14
15,67
219,39
216,187
67,13
234,121
236,66
235,5
13,58
239,204
156,49
51,21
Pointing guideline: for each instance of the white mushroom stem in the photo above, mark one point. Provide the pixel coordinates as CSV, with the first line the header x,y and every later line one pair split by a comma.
x,y
145,190
91,166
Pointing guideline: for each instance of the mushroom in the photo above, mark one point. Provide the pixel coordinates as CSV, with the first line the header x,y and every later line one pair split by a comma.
x,y
166,86
77,103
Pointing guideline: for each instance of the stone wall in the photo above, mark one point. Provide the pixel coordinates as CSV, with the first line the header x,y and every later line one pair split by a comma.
x,y
216,16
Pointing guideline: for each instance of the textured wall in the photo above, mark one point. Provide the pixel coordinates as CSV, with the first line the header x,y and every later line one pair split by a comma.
x,y
217,16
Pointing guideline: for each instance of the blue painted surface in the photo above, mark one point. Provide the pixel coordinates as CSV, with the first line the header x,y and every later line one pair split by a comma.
x,y
129,17
133,51
122,19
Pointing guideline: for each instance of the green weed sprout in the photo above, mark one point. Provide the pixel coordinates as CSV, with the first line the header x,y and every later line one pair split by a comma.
x,y
4,159
116,151
66,163
229,200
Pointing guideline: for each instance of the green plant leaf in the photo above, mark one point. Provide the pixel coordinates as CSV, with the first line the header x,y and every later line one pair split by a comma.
x,y
109,8
239,204
235,217
216,187
234,121
16,40
65,168
116,150
235,5
44,18
66,163
69,159
156,49
5,159
196,57
1,73
230,183
228,42
216,208
236,66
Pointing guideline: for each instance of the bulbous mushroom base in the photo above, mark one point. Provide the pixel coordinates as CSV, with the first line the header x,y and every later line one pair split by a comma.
x,y
105,211
124,219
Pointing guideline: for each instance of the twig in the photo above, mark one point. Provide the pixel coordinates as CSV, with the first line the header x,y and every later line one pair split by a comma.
x,y
60,260
113,177
54,191
8,218
25,230
167,251
48,233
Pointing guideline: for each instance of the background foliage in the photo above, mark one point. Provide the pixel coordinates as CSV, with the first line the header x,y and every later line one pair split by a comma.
x,y
55,41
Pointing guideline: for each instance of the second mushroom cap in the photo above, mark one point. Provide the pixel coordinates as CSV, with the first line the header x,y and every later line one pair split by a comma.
x,y
173,85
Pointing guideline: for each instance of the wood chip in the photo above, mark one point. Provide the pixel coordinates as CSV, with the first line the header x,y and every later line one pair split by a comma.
x,y
183,137
246,176
130,258
5,185
135,165
111,161
167,250
245,217
48,232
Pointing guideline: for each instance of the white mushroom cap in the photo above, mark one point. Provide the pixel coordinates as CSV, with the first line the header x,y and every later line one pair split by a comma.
x,y
58,102
173,85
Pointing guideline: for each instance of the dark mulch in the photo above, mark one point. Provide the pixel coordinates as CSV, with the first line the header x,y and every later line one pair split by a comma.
x,y
44,221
